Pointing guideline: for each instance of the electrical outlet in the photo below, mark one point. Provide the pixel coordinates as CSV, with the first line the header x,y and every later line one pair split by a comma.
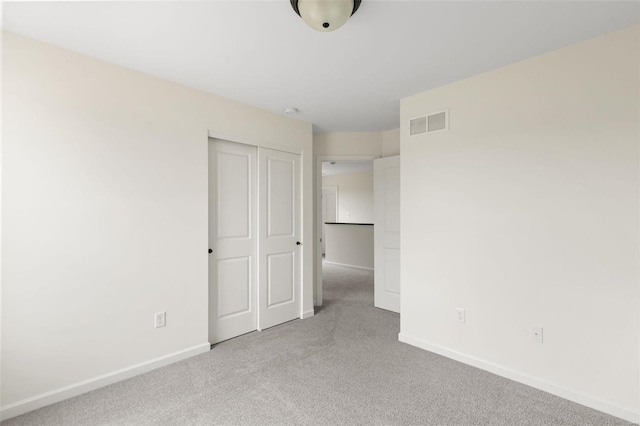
x,y
161,319
460,315
536,334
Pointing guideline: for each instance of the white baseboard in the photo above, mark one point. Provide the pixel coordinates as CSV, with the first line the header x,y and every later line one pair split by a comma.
x,y
586,400
66,392
307,314
348,266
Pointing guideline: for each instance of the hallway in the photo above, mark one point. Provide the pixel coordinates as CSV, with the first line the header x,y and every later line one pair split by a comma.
x,y
343,366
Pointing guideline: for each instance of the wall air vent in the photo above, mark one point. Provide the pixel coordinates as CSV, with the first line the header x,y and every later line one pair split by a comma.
x,y
437,121
428,124
418,126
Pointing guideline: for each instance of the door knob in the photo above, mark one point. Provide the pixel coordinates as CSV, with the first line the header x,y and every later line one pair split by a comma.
x,y
298,243
210,251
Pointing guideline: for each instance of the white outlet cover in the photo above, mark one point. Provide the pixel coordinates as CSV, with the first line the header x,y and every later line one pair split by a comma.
x,y
160,319
460,315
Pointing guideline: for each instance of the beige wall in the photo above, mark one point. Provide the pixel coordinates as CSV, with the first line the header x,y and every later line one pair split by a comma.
x,y
356,143
105,215
526,213
355,196
350,245
379,144
391,143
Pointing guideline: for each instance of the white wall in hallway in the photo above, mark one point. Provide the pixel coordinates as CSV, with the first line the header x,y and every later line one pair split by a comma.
x,y
391,143
526,213
347,143
355,196
350,245
359,144
105,216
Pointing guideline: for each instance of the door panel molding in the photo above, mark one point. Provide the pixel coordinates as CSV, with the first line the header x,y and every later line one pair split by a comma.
x,y
230,302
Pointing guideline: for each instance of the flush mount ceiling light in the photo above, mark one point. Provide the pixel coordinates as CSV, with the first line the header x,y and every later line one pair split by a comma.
x,y
325,15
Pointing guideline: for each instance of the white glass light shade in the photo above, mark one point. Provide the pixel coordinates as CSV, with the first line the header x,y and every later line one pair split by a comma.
x,y
325,15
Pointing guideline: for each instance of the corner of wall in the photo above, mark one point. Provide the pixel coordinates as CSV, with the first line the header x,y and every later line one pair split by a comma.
x,y
391,143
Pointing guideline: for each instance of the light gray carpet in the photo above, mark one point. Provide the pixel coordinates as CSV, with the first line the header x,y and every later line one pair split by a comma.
x,y
343,366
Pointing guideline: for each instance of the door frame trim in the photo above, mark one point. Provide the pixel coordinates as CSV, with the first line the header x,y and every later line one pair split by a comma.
x,y
337,206
246,141
318,215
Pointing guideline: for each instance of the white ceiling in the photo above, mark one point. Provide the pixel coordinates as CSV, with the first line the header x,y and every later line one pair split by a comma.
x,y
352,79
344,167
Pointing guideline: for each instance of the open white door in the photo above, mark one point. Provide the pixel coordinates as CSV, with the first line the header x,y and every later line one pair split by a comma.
x,y
279,238
386,201
329,210
232,239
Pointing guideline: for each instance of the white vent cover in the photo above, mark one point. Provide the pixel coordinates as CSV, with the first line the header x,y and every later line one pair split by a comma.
x,y
437,121
418,126
428,124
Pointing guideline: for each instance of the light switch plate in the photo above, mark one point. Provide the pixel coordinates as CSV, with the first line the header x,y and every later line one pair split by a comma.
x,y
536,334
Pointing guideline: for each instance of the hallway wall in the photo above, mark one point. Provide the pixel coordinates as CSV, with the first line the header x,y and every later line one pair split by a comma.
x,y
355,196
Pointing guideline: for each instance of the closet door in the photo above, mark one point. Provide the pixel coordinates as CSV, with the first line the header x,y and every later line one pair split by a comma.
x,y
232,239
279,238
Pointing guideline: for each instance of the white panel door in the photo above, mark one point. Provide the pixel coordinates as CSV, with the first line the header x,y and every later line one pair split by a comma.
x,y
279,238
232,239
386,200
329,210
